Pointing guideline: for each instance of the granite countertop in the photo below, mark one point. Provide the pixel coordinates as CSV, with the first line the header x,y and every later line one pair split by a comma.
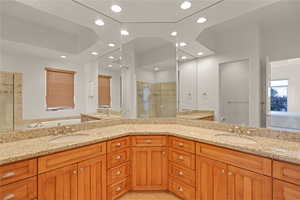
x,y
267,147
101,116
195,115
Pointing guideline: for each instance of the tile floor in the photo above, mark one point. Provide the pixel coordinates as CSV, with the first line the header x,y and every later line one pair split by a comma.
x,y
148,196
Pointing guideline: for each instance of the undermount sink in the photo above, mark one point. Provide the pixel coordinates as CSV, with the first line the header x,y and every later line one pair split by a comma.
x,y
68,138
235,139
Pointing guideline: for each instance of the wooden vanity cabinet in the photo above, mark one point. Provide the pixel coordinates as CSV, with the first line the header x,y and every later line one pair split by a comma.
x,y
149,163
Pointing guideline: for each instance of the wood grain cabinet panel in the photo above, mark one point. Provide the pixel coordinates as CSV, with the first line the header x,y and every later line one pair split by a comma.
x,y
17,171
285,191
22,190
118,173
182,144
182,174
246,185
150,141
92,179
211,179
182,158
251,162
149,168
59,184
182,190
69,157
118,157
118,189
287,172
117,144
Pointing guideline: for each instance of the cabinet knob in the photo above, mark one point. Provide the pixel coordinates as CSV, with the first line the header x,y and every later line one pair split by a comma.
x,y
118,144
118,172
9,196
118,189
180,173
180,144
223,171
7,175
118,157
230,173
180,189
74,172
148,141
180,157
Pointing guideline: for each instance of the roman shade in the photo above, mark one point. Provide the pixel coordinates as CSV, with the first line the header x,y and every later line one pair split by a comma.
x,y
60,88
104,90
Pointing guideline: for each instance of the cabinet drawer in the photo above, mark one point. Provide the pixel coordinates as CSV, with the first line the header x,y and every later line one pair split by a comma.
x,y
22,190
118,173
183,174
117,158
61,159
182,158
287,172
285,191
118,189
117,144
17,171
182,144
182,190
147,141
251,162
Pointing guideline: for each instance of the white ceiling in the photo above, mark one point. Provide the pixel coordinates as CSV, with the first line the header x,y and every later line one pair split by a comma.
x,y
166,15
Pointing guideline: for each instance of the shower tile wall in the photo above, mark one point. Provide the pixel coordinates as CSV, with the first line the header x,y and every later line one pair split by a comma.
x,y
162,101
6,101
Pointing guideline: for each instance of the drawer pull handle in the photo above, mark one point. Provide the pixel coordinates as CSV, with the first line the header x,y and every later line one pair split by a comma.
x,y
9,196
180,157
180,144
118,157
180,189
118,144
8,175
180,173
118,172
148,141
118,189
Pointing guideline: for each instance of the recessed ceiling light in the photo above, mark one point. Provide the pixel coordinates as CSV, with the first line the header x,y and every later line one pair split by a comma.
x,y
109,66
200,53
201,20
111,45
111,57
99,22
182,44
185,5
63,56
120,57
183,57
124,32
94,53
116,8
176,44
156,68
174,33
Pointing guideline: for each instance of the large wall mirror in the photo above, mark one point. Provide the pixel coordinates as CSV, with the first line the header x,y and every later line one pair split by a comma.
x,y
69,62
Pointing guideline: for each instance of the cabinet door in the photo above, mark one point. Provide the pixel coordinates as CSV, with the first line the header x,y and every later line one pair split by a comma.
x,y
149,168
211,179
92,179
246,185
60,184
285,191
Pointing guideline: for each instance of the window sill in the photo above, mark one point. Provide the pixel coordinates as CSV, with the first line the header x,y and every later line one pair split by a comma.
x,y
59,108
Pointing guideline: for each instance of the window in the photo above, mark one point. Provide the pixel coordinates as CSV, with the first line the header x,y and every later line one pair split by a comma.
x,y
104,90
279,95
59,89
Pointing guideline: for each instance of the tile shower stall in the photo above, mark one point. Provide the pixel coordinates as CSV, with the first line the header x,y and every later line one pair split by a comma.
x,y
156,99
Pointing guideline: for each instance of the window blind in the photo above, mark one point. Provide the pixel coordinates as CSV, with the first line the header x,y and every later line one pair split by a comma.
x,y
60,88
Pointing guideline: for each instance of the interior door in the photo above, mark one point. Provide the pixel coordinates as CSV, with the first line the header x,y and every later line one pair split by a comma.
x,y
234,92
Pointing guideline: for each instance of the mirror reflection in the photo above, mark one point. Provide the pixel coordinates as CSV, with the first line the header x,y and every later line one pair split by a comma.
x,y
239,66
